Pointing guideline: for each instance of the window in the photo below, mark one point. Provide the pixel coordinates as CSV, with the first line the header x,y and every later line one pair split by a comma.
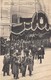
x,y
14,18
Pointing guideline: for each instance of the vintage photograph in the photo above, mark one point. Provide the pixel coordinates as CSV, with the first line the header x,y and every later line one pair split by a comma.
x,y
25,39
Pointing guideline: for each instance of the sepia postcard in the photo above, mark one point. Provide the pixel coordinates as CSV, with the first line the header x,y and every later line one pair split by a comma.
x,y
25,39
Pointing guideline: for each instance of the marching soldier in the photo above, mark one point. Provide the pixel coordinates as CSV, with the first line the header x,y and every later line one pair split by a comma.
x,y
34,51
30,64
15,66
23,66
6,65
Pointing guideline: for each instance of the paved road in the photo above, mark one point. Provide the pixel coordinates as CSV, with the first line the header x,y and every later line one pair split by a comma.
x,y
41,71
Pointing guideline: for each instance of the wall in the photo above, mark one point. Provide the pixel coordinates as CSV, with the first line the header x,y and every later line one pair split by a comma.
x,y
24,8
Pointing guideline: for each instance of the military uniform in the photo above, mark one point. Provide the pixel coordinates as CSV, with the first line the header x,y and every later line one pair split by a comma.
x,y
40,54
33,50
15,67
30,64
23,66
6,65
42,50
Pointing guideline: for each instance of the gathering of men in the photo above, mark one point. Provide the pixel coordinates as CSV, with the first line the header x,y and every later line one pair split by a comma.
x,y
21,59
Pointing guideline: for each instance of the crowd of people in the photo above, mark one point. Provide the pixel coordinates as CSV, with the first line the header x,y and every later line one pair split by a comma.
x,y
21,59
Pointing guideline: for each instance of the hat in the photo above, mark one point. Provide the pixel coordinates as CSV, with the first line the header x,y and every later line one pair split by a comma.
x,y
16,51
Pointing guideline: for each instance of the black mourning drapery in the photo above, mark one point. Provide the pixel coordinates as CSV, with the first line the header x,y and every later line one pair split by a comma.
x,y
17,28
25,20
36,20
30,24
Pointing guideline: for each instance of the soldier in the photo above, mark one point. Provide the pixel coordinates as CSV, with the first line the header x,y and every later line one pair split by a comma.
x,y
12,58
15,67
42,49
23,66
30,64
6,65
26,51
40,54
34,51
16,64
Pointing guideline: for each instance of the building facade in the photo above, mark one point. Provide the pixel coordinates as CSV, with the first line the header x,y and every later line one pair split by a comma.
x,y
20,8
